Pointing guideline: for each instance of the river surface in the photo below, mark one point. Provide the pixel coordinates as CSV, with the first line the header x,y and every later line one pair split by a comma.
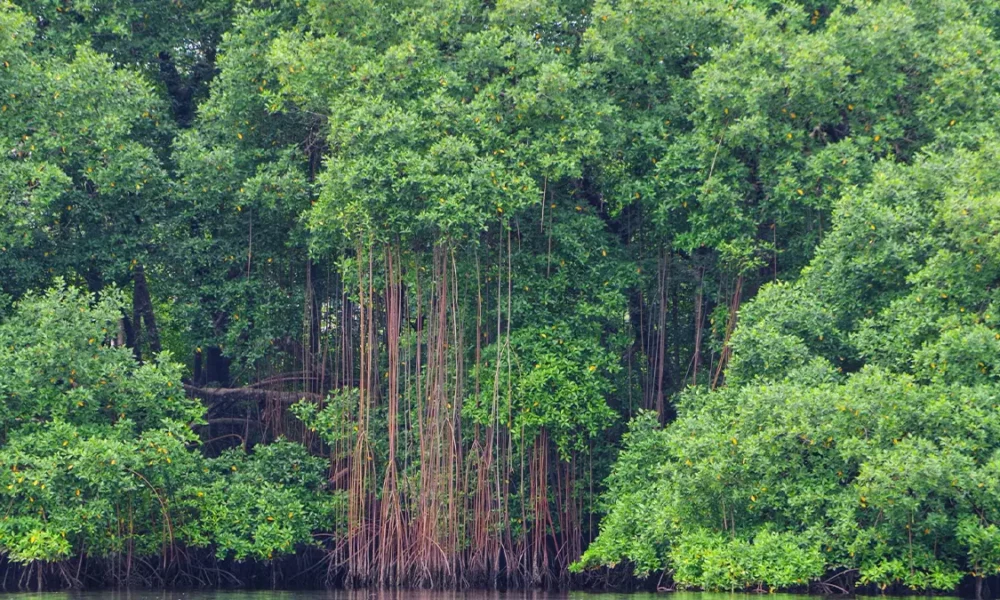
x,y
395,595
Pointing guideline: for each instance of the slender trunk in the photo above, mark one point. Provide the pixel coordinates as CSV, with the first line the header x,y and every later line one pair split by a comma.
x,y
661,351
142,309
734,307
698,325
392,534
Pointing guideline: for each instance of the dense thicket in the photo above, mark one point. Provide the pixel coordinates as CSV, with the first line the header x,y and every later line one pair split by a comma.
x,y
857,437
449,248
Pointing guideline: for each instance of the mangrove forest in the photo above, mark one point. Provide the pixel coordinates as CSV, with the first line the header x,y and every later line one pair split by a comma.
x,y
634,294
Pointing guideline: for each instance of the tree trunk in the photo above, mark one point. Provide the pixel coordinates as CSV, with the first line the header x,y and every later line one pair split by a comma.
x,y
131,340
199,374
142,308
216,367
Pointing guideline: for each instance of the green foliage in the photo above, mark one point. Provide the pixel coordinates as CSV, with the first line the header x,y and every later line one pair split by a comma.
x,y
876,474
634,530
890,468
97,450
562,366
81,180
581,196
713,560
266,503
94,442
57,364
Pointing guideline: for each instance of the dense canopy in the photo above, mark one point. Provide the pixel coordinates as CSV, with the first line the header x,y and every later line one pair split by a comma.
x,y
508,293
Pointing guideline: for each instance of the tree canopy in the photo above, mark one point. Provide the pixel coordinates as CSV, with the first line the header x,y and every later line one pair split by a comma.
x,y
525,292
858,428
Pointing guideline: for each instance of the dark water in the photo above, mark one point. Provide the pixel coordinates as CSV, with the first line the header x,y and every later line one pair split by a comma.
x,y
396,595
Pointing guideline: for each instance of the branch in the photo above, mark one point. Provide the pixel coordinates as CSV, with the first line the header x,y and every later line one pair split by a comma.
x,y
246,394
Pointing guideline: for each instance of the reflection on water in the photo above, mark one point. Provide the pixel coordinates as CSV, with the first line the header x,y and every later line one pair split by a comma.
x,y
393,595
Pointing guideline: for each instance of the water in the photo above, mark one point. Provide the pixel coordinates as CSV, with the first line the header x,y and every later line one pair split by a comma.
x,y
394,595
383,595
